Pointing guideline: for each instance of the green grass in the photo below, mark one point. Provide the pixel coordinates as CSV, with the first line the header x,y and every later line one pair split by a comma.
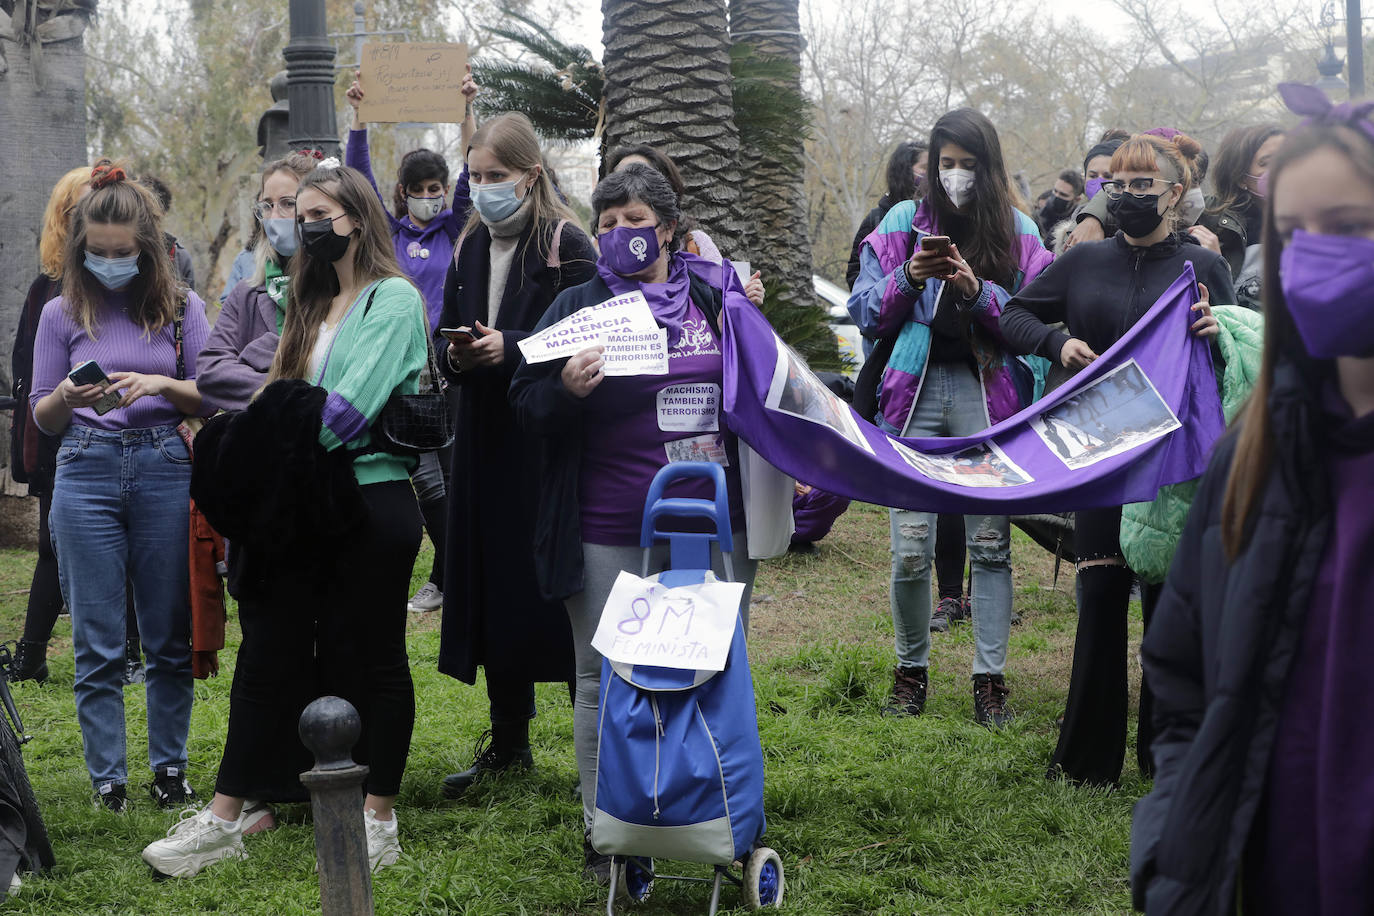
x,y
871,815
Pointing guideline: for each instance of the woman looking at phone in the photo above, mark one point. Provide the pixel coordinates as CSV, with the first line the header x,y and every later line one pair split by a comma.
x,y
121,491
518,251
949,375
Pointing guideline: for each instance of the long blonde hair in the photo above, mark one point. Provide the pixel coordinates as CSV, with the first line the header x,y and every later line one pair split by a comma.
x,y
154,293
298,165
314,283
510,138
57,220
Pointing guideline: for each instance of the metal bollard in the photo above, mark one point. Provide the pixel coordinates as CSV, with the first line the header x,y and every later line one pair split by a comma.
x,y
330,727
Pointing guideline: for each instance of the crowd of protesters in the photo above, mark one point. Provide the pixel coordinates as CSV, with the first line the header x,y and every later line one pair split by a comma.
x,y
973,303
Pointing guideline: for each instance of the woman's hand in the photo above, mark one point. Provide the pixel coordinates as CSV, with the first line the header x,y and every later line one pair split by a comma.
x,y
754,289
962,275
582,373
926,265
75,396
489,349
355,98
1075,354
1207,325
1087,230
137,385
469,85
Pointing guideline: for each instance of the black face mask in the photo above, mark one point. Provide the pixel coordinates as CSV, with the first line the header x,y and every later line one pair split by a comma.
x,y
1055,209
320,241
1137,216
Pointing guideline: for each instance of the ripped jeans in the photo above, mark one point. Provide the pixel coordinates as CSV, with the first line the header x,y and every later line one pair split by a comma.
x,y
950,404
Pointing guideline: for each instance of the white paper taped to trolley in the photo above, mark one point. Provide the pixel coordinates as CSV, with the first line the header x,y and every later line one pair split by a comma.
x,y
688,627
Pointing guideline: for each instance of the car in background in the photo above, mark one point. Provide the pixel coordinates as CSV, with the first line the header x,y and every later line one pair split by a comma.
x,y
836,299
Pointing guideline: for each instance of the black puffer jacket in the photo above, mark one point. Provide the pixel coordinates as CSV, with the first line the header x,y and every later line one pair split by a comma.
x,y
1218,656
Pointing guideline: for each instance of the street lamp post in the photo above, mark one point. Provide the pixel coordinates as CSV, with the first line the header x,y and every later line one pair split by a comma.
x,y
1354,48
310,80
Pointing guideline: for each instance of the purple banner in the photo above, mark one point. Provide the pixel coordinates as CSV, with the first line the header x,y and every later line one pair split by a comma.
x,y
1144,415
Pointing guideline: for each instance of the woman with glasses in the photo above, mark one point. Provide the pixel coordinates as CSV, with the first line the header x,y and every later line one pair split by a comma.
x,y
1099,290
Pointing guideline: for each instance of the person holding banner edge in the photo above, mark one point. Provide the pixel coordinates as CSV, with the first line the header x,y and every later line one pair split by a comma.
x,y
1099,290
601,440
940,274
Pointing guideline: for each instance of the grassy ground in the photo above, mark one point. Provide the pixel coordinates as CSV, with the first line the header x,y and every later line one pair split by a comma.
x,y
871,815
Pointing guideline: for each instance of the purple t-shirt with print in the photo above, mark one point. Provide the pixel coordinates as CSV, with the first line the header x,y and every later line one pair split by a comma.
x,y
637,424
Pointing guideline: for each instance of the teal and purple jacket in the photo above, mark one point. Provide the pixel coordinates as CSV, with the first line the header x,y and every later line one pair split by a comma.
x,y
883,302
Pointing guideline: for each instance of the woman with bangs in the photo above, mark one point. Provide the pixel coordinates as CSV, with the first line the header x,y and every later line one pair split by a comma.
x,y
1099,290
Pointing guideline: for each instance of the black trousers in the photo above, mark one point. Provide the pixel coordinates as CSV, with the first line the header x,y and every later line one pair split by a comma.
x,y
950,553
1092,742
317,635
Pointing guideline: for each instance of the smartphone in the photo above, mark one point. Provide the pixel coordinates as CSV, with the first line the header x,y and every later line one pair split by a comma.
x,y
459,334
937,244
90,373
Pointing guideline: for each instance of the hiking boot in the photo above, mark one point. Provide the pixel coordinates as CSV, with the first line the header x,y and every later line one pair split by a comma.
x,y
134,672
170,789
197,840
429,598
908,692
383,840
947,613
990,700
805,548
113,796
595,866
30,661
488,759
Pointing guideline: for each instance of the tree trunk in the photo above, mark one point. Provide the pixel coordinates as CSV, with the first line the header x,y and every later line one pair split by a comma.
x,y
774,179
43,136
668,85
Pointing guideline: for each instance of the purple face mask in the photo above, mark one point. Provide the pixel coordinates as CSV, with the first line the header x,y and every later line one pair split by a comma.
x,y
1328,282
1093,186
628,251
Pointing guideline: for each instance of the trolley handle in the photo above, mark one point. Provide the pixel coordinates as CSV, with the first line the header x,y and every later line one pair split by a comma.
x,y
656,506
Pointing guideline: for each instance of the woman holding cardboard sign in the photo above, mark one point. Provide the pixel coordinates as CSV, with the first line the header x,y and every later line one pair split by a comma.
x,y
519,250
602,440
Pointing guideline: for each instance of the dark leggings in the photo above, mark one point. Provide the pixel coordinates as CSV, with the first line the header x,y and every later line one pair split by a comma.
x,y
340,634
1092,741
950,551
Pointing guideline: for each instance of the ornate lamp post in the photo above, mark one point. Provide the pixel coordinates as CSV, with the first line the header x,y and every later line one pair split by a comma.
x,y
310,80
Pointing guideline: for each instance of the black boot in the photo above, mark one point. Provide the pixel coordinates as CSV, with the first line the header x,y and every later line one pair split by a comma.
x,y
133,661
505,745
30,661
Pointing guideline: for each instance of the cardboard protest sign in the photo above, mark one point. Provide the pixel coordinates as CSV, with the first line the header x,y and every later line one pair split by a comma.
x,y
624,325
413,81
688,627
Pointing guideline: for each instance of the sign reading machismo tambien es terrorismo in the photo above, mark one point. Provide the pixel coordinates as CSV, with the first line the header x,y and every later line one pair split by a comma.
x,y
413,81
634,343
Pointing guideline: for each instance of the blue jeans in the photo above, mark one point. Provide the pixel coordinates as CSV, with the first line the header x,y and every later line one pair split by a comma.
x,y
120,510
951,403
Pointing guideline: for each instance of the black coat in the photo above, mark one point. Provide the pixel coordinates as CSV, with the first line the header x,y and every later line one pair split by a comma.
x,y
870,222
553,418
1218,656
494,615
33,453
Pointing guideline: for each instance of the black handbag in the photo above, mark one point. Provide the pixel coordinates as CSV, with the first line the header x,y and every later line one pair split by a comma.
x,y
413,423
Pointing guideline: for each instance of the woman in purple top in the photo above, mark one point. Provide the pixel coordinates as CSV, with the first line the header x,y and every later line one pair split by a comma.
x,y
1258,654
121,494
603,439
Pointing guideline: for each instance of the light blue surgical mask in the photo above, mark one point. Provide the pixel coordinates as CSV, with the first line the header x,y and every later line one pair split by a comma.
x,y
281,235
495,201
113,273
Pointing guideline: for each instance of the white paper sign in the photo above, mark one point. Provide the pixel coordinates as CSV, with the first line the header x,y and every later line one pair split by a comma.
x,y
636,353
627,314
689,408
688,627
742,270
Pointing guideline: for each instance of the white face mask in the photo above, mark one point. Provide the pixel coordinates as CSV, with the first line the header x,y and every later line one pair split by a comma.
x,y
958,185
425,209
1190,207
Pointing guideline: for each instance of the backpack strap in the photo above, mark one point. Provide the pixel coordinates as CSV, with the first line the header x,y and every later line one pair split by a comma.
x,y
555,257
178,334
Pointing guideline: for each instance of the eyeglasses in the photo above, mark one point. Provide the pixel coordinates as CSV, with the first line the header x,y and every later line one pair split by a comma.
x,y
286,206
1137,187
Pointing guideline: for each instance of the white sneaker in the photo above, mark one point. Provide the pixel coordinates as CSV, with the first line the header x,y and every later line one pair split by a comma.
x,y
197,840
429,598
383,840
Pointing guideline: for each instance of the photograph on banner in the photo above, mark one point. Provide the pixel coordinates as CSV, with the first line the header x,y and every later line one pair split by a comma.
x,y
688,627
419,82
1118,412
982,465
796,390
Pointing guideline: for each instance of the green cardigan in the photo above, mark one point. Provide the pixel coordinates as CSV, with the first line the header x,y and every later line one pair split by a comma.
x,y
380,349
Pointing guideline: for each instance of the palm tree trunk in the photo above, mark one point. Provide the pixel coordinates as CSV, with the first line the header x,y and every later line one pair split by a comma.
x,y
774,188
667,67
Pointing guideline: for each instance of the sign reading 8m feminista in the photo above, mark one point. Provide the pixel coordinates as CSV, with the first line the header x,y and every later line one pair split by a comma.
x,y
413,81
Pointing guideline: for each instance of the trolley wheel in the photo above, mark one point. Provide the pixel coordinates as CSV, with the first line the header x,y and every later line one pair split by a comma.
x,y
763,881
635,879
